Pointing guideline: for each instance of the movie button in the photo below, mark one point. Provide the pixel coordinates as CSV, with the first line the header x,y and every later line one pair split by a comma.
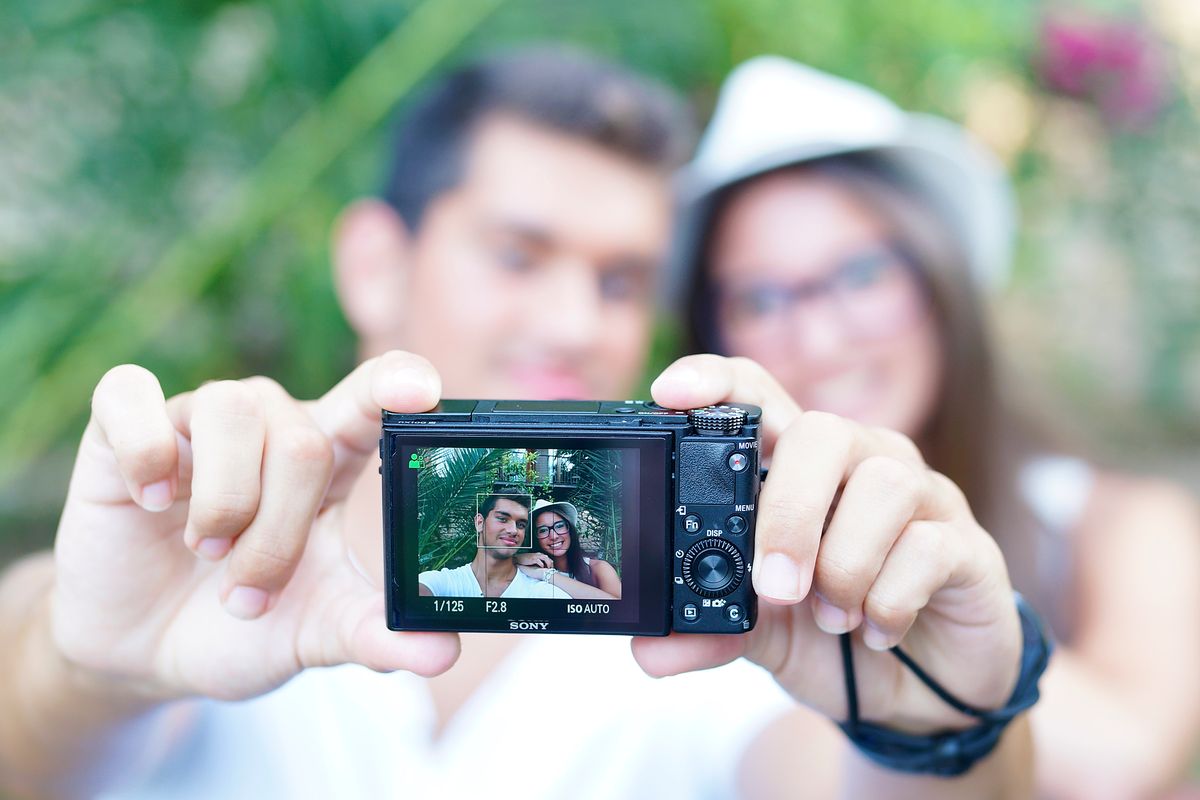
x,y
692,523
733,613
738,462
736,524
690,612
625,409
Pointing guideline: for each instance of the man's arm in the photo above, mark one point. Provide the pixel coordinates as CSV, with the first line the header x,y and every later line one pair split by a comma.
x,y
197,540
55,712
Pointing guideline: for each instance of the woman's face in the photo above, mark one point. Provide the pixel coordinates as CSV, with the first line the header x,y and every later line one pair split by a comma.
x,y
553,534
810,286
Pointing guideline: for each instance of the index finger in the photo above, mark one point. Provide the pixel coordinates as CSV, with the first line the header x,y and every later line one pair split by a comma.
x,y
349,413
704,380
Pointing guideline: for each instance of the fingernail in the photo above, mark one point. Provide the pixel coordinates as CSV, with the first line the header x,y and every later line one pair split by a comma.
x,y
246,602
157,496
213,548
779,578
830,618
875,638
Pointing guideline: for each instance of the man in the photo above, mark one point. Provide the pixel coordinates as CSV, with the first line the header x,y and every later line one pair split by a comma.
x,y
217,545
220,544
501,528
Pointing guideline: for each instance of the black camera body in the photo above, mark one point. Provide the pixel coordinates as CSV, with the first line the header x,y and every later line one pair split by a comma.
x,y
648,513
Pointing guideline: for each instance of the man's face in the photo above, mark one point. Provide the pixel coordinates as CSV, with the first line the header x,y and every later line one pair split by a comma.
x,y
502,531
534,277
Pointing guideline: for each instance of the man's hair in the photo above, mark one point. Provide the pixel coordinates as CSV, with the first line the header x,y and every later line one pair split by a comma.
x,y
564,90
490,501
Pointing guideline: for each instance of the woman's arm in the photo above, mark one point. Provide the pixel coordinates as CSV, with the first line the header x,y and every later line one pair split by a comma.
x,y
606,577
856,534
1120,708
803,748
577,589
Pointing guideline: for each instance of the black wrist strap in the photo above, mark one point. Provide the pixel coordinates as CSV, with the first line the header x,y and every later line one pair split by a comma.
x,y
947,753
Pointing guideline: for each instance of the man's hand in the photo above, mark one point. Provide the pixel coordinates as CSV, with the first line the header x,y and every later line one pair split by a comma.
x,y
854,533
201,549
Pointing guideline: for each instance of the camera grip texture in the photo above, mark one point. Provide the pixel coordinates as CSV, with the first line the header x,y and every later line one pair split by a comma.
x,y
704,474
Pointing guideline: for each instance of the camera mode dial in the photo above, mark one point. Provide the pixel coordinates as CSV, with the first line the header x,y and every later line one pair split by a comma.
x,y
713,567
725,420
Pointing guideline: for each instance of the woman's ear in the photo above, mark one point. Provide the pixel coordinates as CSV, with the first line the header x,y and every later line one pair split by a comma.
x,y
370,269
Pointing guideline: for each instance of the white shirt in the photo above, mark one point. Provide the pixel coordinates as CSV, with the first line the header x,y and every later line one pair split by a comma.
x,y
461,582
348,733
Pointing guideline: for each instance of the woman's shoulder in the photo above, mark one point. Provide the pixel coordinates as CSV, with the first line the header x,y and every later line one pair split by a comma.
x,y
1119,499
1072,495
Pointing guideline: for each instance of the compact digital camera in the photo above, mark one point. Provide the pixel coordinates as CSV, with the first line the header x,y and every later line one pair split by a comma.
x,y
570,517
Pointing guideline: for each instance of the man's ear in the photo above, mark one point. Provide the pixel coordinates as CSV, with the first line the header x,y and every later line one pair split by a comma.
x,y
371,247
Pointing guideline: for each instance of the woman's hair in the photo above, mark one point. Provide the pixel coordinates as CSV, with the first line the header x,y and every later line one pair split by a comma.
x,y
576,564
969,436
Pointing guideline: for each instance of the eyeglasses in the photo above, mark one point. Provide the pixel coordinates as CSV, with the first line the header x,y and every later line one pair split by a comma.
x,y
560,528
874,293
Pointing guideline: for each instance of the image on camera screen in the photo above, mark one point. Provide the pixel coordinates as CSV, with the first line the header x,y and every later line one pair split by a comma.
x,y
517,522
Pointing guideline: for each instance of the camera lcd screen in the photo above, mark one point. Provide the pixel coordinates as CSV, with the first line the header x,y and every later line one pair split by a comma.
x,y
498,533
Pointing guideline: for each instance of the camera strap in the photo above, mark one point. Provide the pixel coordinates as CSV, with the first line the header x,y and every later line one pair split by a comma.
x,y
952,752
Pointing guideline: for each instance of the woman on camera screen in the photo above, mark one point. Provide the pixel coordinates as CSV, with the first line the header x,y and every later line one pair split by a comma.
x,y
557,548
845,246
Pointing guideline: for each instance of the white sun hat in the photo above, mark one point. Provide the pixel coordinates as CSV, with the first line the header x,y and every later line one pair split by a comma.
x,y
773,113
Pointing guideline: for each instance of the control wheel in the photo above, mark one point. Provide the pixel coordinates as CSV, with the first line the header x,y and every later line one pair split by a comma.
x,y
713,567
725,420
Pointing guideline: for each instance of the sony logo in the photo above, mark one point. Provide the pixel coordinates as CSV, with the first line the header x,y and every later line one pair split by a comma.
x,y
521,625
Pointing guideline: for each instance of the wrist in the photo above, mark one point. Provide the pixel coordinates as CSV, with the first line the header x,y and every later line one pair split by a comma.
x,y
49,665
949,752
917,710
60,717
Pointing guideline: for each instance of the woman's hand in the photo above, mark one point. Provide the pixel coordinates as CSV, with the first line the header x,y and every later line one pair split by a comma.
x,y
533,560
854,532
537,573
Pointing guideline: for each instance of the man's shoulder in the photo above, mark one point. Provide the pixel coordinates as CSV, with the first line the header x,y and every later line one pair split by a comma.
x,y
448,570
444,579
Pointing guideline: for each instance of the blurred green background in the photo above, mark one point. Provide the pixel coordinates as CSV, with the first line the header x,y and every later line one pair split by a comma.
x,y
169,174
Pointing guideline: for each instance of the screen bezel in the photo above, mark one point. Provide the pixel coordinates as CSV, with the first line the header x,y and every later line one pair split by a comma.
x,y
645,613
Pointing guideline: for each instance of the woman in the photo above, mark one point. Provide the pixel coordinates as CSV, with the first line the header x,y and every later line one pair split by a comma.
x,y
842,244
556,537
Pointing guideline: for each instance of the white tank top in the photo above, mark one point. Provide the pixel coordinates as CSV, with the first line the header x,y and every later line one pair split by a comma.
x,y
1057,490
347,732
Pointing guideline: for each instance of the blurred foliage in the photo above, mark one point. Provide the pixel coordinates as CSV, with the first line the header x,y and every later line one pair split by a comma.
x,y
170,173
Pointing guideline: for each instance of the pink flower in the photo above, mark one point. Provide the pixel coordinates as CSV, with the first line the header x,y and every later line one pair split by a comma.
x,y
1112,63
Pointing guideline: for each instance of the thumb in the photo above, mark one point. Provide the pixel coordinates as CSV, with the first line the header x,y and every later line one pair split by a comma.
x,y
685,652
349,414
